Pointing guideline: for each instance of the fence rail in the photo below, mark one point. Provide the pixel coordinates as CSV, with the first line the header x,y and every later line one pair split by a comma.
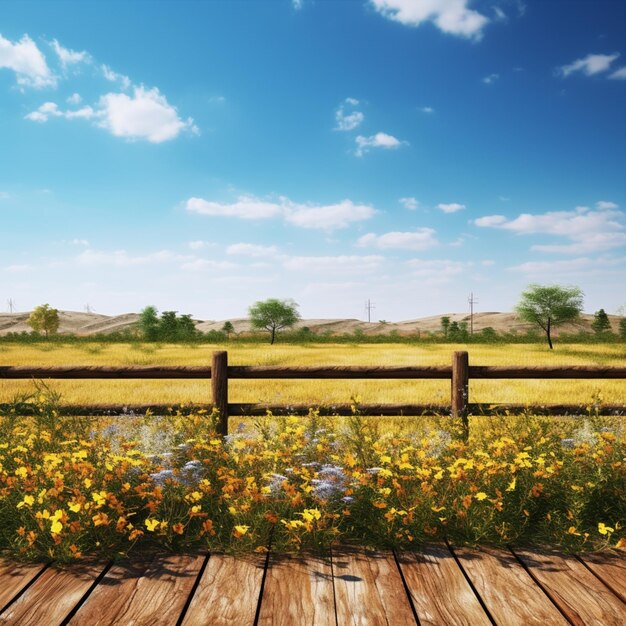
x,y
459,373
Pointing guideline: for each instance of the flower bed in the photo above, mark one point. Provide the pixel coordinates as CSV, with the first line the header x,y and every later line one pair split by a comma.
x,y
71,487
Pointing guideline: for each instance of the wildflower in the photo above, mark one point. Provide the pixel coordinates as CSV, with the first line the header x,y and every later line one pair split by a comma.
x,y
179,529
604,530
481,495
27,501
240,531
151,524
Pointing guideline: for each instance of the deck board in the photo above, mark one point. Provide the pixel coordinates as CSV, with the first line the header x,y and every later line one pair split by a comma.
x,y
440,593
436,586
143,591
51,598
14,577
509,593
298,591
369,589
574,589
610,567
228,592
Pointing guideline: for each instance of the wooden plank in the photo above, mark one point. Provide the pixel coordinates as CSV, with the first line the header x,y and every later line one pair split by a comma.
x,y
610,568
142,591
339,372
511,596
369,589
441,595
298,591
574,589
51,598
245,409
14,577
219,389
105,372
228,592
553,372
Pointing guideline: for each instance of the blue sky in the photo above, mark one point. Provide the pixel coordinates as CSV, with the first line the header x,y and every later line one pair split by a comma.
x,y
200,156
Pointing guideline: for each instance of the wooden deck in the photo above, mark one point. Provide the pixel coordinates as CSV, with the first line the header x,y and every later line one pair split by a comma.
x,y
351,587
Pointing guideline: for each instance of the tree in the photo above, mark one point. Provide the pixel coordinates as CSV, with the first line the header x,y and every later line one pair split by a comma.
x,y
44,318
549,306
445,325
601,323
228,329
273,315
149,323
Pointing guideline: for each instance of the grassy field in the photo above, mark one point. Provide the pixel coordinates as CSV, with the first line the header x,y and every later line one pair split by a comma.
x,y
318,392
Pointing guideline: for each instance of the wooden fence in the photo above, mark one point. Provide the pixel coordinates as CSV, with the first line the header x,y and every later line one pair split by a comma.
x,y
459,373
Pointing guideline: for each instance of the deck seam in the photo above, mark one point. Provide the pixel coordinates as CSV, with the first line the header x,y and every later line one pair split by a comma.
x,y
606,584
87,593
406,588
257,615
538,583
193,590
332,580
26,587
471,584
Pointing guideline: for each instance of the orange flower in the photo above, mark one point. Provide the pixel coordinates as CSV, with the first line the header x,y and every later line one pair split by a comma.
x,y
179,529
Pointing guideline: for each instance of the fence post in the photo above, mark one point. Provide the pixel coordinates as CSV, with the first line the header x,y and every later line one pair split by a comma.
x,y
219,387
460,389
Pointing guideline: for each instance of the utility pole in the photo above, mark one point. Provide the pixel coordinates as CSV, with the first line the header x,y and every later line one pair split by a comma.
x,y
472,301
368,309
87,308
10,304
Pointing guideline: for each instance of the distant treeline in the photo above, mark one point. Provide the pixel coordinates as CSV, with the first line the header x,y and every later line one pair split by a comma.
x,y
189,334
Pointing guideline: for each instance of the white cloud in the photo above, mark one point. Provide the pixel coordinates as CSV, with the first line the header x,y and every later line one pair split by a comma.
x,y
203,265
570,266
437,270
589,65
27,61
199,244
453,207
67,56
409,203
114,77
379,140
587,230
420,239
450,16
80,242
427,110
252,250
492,78
297,4
619,74
352,264
145,115
328,217
324,217
348,120
604,204
51,109
75,98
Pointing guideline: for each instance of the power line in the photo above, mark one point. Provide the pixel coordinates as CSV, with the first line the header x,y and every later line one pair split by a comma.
x,y
472,301
369,305
11,304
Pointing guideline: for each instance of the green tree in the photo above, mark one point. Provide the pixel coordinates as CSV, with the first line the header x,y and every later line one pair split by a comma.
x,y
44,318
228,329
273,315
149,323
601,323
622,328
548,306
445,325
187,330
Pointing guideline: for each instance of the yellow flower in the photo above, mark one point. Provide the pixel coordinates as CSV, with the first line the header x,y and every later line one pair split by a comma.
x,y
512,484
310,514
151,524
99,497
75,507
481,495
27,501
87,482
56,527
603,530
22,472
240,531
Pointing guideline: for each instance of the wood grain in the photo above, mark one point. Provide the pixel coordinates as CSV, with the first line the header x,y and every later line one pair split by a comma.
x,y
298,591
142,591
228,592
574,589
511,596
610,567
51,598
440,593
369,589
14,577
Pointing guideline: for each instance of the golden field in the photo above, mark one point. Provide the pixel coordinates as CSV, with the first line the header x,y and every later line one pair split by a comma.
x,y
317,392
